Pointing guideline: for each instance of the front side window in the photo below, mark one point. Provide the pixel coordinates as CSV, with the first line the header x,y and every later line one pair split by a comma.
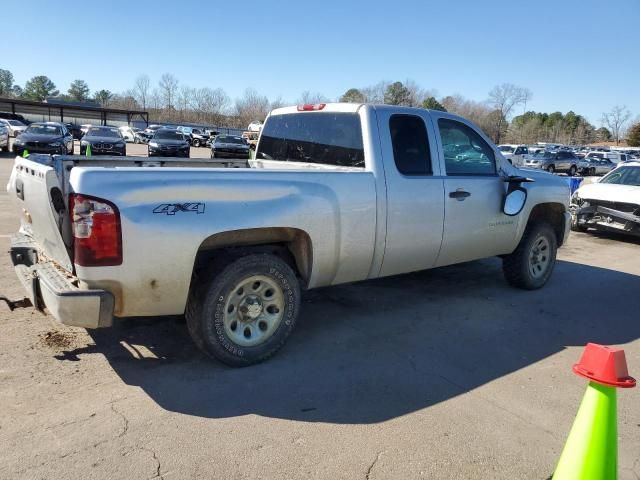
x,y
410,145
313,137
465,151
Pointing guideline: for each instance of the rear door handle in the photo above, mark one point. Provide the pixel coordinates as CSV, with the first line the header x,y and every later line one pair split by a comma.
x,y
459,194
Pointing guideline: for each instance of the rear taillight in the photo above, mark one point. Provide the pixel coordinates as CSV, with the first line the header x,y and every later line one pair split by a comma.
x,y
310,107
95,225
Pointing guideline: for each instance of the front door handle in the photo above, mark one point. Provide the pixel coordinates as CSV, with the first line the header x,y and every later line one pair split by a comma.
x,y
459,194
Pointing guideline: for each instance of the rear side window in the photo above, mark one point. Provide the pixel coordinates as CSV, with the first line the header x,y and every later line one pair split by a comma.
x,y
319,137
410,145
465,152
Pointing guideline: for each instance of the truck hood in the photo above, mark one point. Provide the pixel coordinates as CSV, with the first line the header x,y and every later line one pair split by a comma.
x,y
610,192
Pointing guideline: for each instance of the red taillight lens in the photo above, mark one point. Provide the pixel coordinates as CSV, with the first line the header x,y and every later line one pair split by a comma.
x,y
310,107
95,225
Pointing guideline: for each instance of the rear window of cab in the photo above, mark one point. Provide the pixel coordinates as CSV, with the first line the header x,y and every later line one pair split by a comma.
x,y
328,138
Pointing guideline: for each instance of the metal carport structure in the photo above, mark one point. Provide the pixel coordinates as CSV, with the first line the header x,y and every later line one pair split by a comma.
x,y
72,112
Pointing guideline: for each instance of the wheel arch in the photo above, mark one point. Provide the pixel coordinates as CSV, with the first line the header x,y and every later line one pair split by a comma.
x,y
291,244
551,213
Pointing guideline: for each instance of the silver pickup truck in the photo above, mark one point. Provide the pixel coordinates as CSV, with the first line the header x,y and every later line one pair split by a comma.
x,y
336,193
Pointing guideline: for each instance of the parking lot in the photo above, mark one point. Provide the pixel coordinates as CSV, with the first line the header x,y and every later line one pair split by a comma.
x,y
447,373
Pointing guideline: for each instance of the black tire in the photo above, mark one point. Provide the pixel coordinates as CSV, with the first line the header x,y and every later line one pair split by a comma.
x,y
516,266
195,143
206,309
572,171
592,171
213,155
551,169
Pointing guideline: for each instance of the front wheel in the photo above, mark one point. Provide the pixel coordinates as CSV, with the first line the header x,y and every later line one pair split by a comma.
x,y
551,169
244,313
531,264
195,143
572,171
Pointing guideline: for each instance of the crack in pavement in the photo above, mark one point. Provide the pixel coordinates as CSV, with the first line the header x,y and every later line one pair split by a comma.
x,y
158,464
373,464
125,425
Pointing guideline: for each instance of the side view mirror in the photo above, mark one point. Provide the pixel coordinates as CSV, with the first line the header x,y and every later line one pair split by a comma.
x,y
516,195
514,201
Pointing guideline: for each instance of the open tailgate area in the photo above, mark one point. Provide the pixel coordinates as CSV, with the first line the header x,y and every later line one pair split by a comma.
x,y
38,192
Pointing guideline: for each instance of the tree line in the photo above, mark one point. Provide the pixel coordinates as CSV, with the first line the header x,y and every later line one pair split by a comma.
x,y
171,101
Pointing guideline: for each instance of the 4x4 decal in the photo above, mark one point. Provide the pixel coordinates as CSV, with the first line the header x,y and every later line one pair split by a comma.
x,y
172,208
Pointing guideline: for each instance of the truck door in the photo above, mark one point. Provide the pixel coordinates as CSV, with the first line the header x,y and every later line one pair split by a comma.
x,y
474,225
415,202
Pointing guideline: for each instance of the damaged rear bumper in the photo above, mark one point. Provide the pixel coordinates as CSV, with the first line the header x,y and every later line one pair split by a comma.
x,y
605,218
51,288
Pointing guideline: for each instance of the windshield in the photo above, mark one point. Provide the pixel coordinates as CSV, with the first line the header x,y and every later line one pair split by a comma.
x,y
236,140
623,176
103,132
168,135
596,155
15,123
44,130
543,155
506,149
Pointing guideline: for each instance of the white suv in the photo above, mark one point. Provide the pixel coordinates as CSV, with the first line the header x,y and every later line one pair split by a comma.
x,y
514,153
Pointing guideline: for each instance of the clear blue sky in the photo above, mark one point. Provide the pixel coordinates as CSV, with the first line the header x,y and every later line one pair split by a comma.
x,y
573,55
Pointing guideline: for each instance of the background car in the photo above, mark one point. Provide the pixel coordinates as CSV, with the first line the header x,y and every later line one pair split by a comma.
x,y
167,142
131,134
514,153
595,166
103,141
4,138
44,137
15,127
255,126
228,146
552,162
75,130
611,204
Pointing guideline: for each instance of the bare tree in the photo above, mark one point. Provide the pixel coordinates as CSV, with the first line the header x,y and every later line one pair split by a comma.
x,y
277,103
184,101
252,106
503,98
141,90
615,120
155,99
375,93
168,89
211,104
312,97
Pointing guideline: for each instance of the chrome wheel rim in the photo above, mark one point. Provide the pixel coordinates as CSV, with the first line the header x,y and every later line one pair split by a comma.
x,y
253,311
539,257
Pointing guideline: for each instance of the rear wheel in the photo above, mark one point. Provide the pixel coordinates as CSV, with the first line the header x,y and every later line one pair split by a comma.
x,y
244,313
572,171
551,169
531,264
